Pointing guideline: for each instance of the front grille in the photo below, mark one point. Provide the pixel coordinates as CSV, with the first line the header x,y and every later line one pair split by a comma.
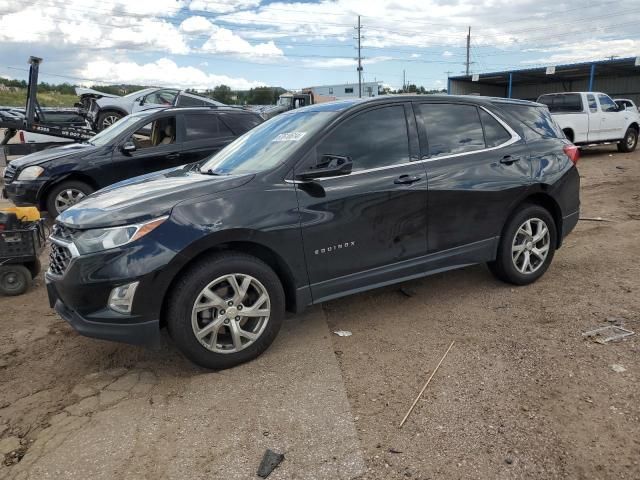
x,y
9,173
59,259
63,232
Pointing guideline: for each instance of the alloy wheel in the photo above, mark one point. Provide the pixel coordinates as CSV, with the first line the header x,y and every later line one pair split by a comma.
x,y
67,198
631,140
109,120
530,246
230,313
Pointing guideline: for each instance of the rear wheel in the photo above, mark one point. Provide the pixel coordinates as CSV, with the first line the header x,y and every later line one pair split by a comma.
x,y
226,310
527,246
629,142
65,195
14,279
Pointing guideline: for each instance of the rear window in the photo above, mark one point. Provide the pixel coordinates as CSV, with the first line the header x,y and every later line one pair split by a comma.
x,y
538,121
567,102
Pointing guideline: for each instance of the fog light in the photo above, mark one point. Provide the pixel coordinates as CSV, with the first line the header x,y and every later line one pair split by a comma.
x,y
121,298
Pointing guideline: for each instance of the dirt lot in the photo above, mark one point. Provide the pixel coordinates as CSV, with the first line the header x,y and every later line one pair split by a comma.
x,y
521,394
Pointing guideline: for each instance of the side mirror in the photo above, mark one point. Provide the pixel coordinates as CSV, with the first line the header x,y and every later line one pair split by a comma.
x,y
128,147
141,102
328,166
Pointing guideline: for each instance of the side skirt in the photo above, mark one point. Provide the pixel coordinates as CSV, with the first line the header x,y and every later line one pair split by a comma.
x,y
458,257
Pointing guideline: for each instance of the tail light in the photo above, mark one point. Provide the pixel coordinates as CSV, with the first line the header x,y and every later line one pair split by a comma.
x,y
22,137
572,152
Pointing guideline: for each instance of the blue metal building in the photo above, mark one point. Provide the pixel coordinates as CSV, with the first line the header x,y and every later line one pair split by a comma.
x,y
619,77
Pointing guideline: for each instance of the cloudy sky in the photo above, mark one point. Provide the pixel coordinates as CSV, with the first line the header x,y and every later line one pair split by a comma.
x,y
247,43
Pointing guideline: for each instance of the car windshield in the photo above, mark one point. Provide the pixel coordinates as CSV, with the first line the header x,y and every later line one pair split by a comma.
x,y
107,135
267,145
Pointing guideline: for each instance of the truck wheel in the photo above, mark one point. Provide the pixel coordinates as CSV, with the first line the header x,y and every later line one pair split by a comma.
x,y
527,246
629,142
225,310
107,118
14,279
66,194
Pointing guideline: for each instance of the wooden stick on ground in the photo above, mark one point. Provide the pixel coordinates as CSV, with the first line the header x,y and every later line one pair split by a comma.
x,y
425,386
594,219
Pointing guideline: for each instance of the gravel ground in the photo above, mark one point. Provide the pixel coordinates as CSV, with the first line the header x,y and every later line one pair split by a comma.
x,y
520,395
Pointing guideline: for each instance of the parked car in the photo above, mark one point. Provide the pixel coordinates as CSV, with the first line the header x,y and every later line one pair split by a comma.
x,y
105,111
312,205
626,104
592,118
140,143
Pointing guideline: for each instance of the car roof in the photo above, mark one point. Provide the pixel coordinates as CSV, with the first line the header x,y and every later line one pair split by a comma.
x,y
341,105
213,108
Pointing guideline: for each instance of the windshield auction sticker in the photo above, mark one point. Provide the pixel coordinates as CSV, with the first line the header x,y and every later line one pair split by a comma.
x,y
289,137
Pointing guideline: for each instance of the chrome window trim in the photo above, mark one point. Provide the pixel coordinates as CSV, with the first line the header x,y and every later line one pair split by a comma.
x,y
514,138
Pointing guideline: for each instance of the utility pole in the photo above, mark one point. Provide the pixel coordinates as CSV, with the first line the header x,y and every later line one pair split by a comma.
x,y
404,81
468,48
359,28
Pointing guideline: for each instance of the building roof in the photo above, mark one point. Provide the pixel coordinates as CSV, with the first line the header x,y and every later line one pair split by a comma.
x,y
571,71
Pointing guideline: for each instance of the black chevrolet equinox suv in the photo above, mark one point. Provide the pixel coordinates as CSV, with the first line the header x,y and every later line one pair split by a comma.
x,y
312,205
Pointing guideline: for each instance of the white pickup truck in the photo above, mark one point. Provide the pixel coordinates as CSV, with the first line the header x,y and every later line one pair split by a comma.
x,y
592,118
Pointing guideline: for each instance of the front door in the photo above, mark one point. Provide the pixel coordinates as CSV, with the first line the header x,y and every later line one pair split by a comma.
x,y
158,147
370,226
613,121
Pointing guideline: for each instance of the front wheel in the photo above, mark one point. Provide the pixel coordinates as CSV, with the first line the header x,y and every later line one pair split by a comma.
x,y
225,310
527,246
65,195
106,119
629,142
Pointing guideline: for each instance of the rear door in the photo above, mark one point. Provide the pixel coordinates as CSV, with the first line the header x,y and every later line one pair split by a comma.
x,y
476,167
368,227
204,134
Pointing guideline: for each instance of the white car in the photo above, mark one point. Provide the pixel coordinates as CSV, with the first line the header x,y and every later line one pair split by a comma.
x,y
107,110
627,104
592,118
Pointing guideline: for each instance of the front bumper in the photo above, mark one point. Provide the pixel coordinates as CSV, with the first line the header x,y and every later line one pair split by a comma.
x,y
80,294
23,194
142,333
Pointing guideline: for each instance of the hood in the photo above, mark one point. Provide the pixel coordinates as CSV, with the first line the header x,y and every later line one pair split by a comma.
x,y
146,197
38,158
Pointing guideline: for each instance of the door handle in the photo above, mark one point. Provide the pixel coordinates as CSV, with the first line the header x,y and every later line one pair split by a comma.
x,y
172,156
407,179
509,160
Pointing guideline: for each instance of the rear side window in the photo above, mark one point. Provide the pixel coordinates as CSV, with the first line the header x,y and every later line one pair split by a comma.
x,y
375,138
538,121
451,128
566,102
204,126
494,133
240,122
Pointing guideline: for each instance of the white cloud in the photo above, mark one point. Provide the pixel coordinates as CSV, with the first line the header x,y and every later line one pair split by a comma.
x,y
196,24
447,53
163,72
223,40
343,62
415,55
585,51
222,6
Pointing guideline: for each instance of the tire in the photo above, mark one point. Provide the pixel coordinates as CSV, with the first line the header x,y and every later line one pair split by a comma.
x,y
107,118
510,263
629,142
14,279
210,275
72,191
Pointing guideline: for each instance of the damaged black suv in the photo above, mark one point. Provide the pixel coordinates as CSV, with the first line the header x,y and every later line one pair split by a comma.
x,y
312,205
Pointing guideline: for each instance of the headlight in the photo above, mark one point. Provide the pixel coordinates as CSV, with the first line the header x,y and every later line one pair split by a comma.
x,y
30,173
98,239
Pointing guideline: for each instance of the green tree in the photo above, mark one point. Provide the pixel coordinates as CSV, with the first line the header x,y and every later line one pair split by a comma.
x,y
222,93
